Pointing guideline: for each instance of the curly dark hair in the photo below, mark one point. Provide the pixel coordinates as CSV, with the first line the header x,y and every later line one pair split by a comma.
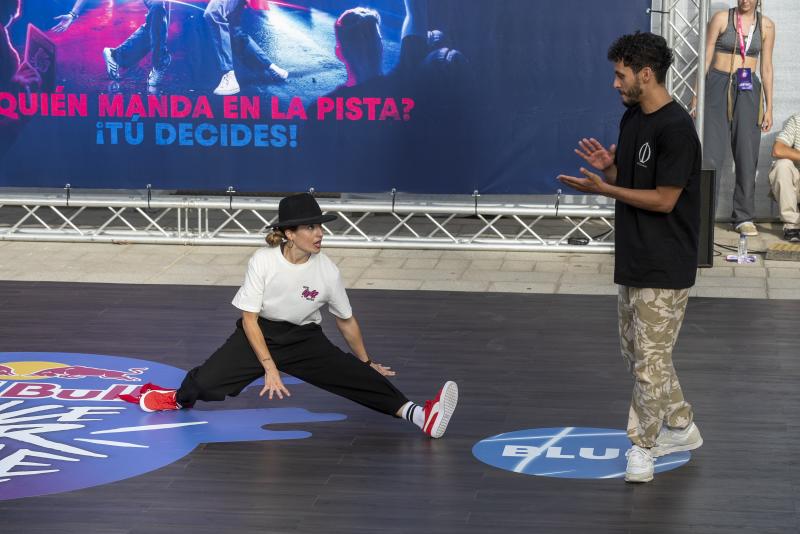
x,y
640,50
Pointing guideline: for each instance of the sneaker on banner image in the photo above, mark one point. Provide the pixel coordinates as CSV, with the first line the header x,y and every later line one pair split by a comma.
x,y
112,67
228,85
157,73
277,73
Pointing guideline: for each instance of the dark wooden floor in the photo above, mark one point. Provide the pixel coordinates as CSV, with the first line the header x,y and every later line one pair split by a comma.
x,y
521,361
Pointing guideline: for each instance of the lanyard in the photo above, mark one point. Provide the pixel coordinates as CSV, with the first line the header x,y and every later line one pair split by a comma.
x,y
744,47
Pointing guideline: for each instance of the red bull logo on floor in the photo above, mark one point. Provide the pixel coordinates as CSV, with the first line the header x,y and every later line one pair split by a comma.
x,y
23,370
62,426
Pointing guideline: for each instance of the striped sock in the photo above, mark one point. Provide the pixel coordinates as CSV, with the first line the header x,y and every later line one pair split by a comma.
x,y
414,413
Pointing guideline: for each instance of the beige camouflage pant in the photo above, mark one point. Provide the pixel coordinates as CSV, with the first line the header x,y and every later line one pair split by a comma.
x,y
649,322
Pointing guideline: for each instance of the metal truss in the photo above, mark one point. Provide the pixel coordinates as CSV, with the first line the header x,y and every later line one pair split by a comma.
x,y
360,224
683,24
680,26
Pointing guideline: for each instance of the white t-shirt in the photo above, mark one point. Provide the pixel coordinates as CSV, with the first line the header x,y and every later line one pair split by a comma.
x,y
279,290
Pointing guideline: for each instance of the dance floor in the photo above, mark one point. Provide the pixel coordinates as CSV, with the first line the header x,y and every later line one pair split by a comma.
x,y
522,362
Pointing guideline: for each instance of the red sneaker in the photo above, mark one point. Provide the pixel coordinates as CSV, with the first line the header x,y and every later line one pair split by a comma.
x,y
439,410
156,400
150,386
137,397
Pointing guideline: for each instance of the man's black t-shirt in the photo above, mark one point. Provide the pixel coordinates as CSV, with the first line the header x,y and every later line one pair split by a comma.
x,y
658,250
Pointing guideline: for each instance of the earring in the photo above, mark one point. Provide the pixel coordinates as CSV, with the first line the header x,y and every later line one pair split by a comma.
x,y
291,243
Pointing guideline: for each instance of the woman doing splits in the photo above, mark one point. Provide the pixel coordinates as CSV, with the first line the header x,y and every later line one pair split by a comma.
x,y
285,286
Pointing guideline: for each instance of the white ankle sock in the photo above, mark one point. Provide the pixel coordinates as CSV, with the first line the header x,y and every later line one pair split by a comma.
x,y
414,413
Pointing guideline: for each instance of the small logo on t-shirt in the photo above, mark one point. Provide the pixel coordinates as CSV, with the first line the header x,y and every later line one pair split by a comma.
x,y
309,294
645,152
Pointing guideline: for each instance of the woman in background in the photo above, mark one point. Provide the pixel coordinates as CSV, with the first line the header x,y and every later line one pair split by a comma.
x,y
738,106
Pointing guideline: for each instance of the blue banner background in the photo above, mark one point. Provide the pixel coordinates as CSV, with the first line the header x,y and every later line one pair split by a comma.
x,y
539,80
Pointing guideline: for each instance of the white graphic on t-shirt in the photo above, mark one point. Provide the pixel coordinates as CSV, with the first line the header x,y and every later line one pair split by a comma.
x,y
645,152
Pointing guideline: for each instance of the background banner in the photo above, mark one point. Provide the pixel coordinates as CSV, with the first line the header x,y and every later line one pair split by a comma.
x,y
426,96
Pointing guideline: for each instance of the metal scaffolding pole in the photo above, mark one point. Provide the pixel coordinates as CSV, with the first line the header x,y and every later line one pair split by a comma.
x,y
701,70
683,23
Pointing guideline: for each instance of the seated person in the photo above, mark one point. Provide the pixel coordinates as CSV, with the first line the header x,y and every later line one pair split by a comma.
x,y
784,178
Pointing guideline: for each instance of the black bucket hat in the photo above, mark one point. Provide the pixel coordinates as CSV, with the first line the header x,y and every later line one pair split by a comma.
x,y
297,210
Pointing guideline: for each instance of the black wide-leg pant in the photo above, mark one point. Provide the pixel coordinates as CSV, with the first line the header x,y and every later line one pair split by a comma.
x,y
301,351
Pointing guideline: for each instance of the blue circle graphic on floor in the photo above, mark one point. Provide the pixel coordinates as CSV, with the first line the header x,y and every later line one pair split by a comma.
x,y
63,427
568,452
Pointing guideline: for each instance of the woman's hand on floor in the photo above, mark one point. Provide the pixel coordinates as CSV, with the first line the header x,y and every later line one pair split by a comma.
x,y
385,371
274,385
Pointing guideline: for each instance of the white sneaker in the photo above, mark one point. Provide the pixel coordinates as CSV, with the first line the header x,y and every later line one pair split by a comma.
x,y
157,74
155,77
747,228
228,84
112,67
640,465
671,440
278,72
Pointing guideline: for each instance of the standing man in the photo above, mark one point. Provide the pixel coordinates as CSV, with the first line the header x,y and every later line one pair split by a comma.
x,y
654,175
784,178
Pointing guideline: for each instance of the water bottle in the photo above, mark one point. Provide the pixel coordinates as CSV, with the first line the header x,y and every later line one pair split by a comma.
x,y
741,255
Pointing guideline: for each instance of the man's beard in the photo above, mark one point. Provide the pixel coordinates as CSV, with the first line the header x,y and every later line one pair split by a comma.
x,y
631,97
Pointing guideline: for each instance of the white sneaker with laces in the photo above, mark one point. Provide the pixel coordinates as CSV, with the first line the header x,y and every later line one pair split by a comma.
x,y
280,73
640,465
112,67
671,440
155,77
157,74
228,85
